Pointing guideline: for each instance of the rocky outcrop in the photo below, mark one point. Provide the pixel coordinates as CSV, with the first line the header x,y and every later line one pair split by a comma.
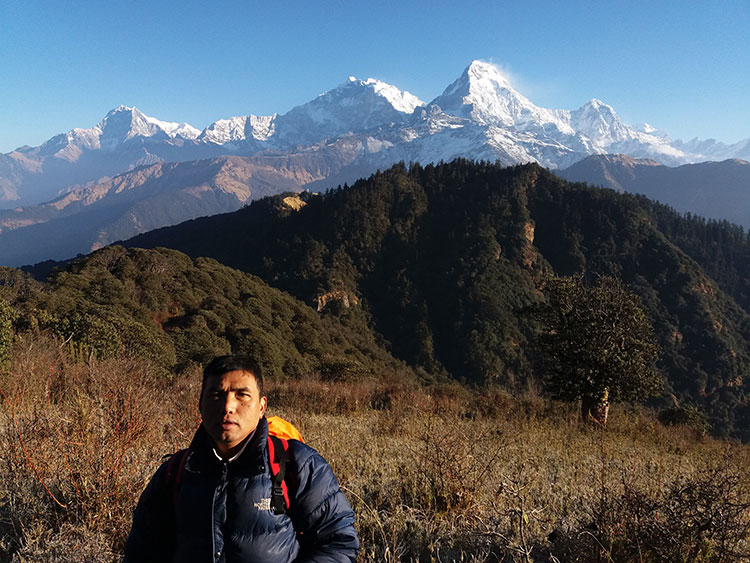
x,y
339,296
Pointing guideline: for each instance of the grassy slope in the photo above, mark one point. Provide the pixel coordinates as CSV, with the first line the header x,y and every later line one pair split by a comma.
x,y
439,472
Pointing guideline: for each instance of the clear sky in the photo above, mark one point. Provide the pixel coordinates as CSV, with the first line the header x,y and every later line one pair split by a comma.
x,y
681,66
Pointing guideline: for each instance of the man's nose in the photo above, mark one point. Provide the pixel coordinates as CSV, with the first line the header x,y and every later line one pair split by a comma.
x,y
230,403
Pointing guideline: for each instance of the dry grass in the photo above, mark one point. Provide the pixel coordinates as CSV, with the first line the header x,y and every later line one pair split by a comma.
x,y
76,443
433,474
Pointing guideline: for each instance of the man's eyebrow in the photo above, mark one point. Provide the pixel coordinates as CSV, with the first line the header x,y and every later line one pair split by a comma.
x,y
218,389
240,389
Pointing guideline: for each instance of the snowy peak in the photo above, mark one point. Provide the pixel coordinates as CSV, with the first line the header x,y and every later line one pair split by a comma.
x,y
485,96
370,94
237,129
477,77
225,131
482,94
598,111
119,125
353,107
260,127
402,101
123,123
484,75
599,122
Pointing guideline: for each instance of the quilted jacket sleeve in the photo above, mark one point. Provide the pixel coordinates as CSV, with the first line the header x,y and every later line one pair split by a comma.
x,y
321,514
151,535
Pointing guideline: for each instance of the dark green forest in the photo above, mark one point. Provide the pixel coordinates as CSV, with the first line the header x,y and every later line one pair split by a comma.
x,y
177,313
445,262
429,271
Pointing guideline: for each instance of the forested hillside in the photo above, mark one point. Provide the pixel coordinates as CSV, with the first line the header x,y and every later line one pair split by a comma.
x,y
176,313
445,263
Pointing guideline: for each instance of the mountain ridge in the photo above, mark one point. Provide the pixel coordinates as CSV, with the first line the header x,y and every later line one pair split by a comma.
x,y
715,190
483,117
340,136
89,217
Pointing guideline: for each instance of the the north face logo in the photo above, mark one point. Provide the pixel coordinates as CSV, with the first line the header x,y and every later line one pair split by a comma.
x,y
264,504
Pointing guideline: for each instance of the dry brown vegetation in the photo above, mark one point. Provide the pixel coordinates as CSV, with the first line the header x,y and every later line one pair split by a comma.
x,y
438,474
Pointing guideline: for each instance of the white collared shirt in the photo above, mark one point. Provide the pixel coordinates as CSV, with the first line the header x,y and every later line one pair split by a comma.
x,y
238,454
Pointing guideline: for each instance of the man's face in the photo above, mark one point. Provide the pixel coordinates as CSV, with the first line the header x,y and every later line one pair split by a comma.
x,y
231,407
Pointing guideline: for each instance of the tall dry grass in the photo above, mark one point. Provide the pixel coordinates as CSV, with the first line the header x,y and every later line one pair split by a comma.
x,y
439,474
77,442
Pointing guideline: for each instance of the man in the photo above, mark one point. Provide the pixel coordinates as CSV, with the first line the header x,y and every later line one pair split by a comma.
x,y
220,508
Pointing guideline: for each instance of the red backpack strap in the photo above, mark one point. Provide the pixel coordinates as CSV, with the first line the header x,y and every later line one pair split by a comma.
x,y
278,456
175,468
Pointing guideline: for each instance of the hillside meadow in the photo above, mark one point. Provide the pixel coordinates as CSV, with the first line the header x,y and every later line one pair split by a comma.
x,y
434,473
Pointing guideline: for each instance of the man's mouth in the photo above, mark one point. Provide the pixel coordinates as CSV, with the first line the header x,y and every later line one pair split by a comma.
x,y
228,424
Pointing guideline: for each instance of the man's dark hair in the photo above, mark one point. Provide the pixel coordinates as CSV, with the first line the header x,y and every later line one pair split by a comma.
x,y
233,362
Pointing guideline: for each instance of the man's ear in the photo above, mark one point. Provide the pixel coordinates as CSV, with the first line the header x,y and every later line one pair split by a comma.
x,y
263,406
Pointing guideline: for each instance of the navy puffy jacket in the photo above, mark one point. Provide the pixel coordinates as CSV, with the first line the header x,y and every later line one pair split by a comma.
x,y
221,511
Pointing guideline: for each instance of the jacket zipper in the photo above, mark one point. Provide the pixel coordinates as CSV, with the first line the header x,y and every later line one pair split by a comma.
x,y
222,485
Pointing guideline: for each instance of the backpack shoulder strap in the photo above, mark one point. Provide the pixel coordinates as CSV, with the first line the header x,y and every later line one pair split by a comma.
x,y
173,475
278,456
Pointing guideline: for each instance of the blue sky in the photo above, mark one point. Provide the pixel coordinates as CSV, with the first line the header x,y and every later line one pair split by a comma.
x,y
681,66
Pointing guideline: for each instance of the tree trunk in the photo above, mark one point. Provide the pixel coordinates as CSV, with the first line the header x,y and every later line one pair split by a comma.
x,y
595,409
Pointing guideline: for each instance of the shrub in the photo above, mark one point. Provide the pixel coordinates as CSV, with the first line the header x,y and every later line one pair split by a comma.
x,y
686,415
702,517
7,316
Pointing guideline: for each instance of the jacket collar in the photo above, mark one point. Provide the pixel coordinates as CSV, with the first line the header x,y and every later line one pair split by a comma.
x,y
253,454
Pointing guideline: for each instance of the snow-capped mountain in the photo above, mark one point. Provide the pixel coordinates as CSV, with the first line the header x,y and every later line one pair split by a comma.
x,y
518,131
237,129
125,123
484,96
354,106
119,126
480,116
